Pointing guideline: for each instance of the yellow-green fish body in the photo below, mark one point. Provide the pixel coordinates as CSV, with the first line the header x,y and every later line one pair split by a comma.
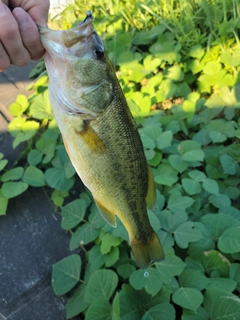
x,y
100,134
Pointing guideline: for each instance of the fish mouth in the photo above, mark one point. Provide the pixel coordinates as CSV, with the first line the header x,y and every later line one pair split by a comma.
x,y
55,41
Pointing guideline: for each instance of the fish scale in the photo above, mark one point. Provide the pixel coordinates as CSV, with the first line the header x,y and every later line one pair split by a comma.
x,y
100,134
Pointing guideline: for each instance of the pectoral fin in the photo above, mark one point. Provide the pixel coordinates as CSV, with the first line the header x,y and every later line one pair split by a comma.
x,y
91,139
151,194
107,215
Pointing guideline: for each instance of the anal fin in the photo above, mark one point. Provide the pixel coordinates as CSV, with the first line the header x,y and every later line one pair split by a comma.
x,y
107,215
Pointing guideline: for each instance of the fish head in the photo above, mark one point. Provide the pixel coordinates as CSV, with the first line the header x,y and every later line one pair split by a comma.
x,y
79,70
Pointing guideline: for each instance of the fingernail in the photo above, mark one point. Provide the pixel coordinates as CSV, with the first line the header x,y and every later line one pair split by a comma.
x,y
3,9
21,17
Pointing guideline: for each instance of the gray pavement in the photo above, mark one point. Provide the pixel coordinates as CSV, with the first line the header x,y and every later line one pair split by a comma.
x,y
31,237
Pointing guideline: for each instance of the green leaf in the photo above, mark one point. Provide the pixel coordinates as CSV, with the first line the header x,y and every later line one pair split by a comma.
x,y
17,108
84,235
58,196
188,298
65,274
25,131
190,151
221,305
217,223
3,204
229,241
217,137
99,309
133,303
220,200
73,213
235,273
202,137
3,164
214,261
62,161
191,186
210,186
95,258
178,203
153,161
116,307
41,107
177,162
76,302
109,241
160,311
214,102
229,60
185,234
197,175
95,218
150,63
171,220
125,270
199,314
171,266
228,285
34,157
13,189
166,175
112,257
15,126
206,243
101,284
196,52
229,165
150,280
188,145
146,141
57,179
12,174
212,67
232,192
34,177
193,279
164,140
193,155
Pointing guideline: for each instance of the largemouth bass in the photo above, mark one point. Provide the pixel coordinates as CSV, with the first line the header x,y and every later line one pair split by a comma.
x,y
100,134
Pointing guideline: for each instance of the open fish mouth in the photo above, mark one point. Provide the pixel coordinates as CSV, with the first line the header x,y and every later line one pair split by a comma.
x,y
54,40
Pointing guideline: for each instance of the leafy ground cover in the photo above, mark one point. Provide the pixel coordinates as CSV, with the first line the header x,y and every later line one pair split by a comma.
x,y
178,63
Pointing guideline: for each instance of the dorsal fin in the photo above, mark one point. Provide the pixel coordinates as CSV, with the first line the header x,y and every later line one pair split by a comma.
x,y
151,197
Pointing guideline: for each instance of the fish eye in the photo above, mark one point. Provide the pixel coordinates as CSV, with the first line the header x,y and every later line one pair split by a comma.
x,y
99,52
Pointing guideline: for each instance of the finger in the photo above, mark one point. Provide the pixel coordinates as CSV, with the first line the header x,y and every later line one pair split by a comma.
x,y
38,10
11,39
29,33
4,59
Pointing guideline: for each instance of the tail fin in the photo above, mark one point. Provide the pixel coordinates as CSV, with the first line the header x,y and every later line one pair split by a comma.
x,y
148,251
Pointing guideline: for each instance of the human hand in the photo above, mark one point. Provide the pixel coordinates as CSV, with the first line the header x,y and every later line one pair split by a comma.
x,y
19,36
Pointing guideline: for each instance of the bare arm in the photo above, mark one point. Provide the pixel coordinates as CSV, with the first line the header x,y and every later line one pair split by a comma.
x,y
19,36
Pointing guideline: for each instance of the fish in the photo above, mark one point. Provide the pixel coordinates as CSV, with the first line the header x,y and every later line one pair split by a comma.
x,y
100,134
